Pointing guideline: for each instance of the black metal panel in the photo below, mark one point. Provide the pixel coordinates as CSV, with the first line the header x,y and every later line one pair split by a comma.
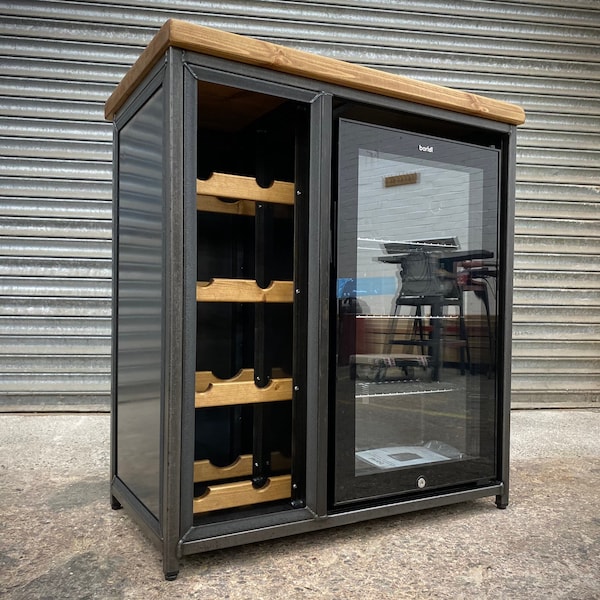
x,y
139,374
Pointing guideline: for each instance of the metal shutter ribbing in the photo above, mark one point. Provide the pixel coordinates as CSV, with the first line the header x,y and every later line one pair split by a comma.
x,y
55,225
62,59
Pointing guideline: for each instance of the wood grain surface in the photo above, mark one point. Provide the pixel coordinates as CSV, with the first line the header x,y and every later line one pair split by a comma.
x,y
206,40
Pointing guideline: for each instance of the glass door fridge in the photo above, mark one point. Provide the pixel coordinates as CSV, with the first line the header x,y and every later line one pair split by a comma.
x,y
415,264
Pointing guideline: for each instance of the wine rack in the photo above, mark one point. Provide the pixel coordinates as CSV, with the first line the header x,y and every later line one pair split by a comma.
x,y
248,479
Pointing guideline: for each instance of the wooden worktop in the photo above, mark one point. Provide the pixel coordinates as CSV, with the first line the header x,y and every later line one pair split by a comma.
x,y
205,40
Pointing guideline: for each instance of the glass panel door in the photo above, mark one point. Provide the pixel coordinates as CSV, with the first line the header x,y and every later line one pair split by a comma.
x,y
416,313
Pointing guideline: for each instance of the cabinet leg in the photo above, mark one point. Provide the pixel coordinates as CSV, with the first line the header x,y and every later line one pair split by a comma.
x,y
115,504
502,501
170,563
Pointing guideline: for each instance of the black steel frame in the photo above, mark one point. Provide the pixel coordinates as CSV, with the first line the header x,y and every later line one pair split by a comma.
x,y
173,529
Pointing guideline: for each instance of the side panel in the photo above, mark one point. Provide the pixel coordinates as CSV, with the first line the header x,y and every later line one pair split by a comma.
x,y
139,373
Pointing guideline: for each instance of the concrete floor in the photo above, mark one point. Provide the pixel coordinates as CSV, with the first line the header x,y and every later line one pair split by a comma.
x,y
59,539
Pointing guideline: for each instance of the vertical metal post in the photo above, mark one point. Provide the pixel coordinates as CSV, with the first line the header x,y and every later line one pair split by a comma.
x,y
173,294
263,252
190,226
318,222
301,294
507,219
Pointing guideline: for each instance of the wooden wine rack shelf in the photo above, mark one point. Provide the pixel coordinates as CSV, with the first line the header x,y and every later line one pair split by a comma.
x,y
231,393
237,187
204,378
243,290
216,205
204,470
243,493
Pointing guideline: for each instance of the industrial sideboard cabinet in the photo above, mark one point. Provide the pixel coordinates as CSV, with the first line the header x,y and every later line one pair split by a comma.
x,y
312,292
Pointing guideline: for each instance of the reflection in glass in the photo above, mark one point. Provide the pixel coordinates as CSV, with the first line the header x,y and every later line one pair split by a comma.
x,y
416,286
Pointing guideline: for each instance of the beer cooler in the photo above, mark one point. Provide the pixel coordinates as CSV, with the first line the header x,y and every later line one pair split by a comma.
x,y
312,292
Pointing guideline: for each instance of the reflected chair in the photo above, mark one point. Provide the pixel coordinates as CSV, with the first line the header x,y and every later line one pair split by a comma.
x,y
425,284
479,277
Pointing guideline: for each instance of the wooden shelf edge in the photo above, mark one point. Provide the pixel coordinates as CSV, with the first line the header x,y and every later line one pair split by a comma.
x,y
231,393
243,290
238,187
204,470
242,493
213,204
204,378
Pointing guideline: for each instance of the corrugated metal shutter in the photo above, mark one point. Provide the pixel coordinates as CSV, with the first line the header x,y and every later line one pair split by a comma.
x,y
60,61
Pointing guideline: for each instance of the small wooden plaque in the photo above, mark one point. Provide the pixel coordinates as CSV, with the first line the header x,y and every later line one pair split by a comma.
x,y
404,179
